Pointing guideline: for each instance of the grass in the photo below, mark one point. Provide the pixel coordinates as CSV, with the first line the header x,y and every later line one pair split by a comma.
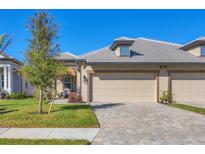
x,y
42,142
23,113
188,108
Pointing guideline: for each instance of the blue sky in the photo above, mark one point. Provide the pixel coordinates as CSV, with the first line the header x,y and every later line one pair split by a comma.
x,y
86,30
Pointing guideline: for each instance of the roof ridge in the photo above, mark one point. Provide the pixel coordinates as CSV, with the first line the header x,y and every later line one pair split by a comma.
x,y
159,41
70,54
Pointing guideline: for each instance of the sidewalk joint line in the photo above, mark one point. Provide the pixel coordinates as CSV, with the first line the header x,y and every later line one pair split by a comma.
x,y
4,131
49,133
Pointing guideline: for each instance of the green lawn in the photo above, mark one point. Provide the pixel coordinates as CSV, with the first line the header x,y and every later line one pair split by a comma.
x,y
23,113
42,142
188,108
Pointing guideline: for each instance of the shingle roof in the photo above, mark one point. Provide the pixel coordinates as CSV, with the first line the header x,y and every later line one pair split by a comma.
x,y
6,57
145,51
66,56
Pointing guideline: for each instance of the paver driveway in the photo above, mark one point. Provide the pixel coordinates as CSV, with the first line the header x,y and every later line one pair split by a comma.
x,y
147,123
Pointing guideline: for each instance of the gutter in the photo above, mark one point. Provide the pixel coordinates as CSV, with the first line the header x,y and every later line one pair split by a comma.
x,y
140,63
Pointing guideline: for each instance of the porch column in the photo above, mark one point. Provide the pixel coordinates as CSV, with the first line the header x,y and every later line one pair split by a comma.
x,y
10,80
5,78
163,81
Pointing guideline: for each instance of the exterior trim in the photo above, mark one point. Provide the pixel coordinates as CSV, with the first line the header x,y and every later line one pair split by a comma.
x,y
127,71
13,60
121,42
193,44
147,63
186,71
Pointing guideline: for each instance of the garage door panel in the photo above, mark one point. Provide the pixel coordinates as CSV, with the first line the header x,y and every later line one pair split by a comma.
x,y
188,87
124,87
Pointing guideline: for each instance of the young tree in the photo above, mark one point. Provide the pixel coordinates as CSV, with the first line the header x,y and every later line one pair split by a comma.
x,y
40,67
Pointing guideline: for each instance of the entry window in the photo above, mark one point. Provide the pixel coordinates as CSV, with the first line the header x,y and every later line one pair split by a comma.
x,y
67,82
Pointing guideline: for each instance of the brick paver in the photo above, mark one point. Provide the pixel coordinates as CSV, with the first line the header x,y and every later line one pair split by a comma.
x,y
147,123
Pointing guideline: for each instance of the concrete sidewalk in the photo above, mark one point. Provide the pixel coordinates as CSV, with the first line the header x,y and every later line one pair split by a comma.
x,y
49,133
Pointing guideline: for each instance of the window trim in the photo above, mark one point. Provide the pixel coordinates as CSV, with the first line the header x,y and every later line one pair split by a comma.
x,y
123,55
67,82
202,48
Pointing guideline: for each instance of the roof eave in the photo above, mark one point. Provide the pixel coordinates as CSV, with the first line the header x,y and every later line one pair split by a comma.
x,y
120,63
121,42
193,44
13,60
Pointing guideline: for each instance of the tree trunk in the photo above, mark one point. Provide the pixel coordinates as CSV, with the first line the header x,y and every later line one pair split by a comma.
x,y
40,101
53,97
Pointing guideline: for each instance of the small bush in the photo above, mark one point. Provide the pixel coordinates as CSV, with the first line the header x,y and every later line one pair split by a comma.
x,y
17,96
166,97
3,94
74,98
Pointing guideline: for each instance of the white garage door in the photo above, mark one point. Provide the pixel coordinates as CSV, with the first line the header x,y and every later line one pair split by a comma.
x,y
124,87
188,87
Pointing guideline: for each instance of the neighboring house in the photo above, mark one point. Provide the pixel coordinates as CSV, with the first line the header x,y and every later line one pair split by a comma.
x,y
132,70
11,79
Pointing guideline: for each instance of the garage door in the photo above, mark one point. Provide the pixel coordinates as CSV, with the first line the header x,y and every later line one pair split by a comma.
x,y
124,87
188,87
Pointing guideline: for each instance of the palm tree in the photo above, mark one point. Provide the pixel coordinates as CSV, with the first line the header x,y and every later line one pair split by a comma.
x,y
4,42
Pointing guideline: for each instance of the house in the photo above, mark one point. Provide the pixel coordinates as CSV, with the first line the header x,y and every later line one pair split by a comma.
x,y
132,70
11,79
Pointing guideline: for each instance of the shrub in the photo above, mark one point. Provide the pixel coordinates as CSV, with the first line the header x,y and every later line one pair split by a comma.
x,y
166,96
3,94
17,95
74,98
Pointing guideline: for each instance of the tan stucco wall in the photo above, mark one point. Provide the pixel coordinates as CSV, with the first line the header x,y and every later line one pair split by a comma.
x,y
163,82
125,67
163,76
78,82
195,51
59,86
117,51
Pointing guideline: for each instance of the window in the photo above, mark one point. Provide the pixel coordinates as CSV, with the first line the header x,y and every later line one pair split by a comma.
x,y
124,51
202,51
67,82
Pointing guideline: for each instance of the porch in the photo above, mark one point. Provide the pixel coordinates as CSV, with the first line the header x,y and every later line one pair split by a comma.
x,y
67,82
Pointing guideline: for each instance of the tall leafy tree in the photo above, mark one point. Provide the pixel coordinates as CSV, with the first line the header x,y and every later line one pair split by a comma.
x,y
40,67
